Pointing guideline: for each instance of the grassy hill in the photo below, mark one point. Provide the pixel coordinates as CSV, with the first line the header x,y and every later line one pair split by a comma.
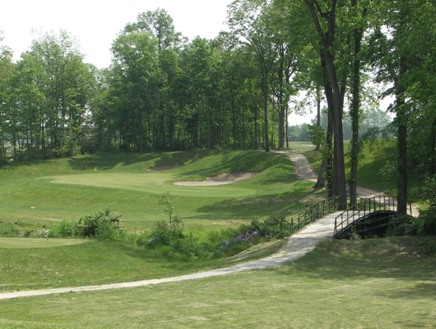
x,y
43,192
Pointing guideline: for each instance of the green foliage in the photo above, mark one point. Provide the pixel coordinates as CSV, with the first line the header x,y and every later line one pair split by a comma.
x,y
66,228
170,239
276,226
402,226
388,171
9,229
316,135
103,225
428,216
22,229
167,233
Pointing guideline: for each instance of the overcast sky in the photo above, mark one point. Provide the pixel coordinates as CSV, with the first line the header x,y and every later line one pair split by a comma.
x,y
96,23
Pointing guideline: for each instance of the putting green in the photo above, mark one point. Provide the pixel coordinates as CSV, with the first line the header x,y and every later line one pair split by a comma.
x,y
150,182
28,243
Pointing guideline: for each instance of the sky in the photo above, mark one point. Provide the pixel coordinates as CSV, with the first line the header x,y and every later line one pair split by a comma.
x,y
95,24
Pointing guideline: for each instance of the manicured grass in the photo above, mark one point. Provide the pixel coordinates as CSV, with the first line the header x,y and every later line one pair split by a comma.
x,y
28,263
384,283
44,192
20,243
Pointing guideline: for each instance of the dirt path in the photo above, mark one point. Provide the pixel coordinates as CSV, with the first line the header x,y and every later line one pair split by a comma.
x,y
304,170
302,167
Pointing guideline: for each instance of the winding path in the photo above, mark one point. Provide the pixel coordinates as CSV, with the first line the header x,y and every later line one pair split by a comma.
x,y
296,246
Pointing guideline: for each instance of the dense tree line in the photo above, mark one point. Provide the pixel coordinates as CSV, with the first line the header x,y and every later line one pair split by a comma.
x,y
164,92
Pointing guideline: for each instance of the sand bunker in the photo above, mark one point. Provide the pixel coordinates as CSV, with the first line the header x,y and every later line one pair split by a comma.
x,y
222,179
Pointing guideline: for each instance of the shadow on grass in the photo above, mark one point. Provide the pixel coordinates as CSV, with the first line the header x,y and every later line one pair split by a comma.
x,y
405,258
107,161
230,160
251,208
419,291
238,161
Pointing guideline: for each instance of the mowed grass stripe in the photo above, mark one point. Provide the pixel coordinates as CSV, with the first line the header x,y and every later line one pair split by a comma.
x,y
155,183
33,243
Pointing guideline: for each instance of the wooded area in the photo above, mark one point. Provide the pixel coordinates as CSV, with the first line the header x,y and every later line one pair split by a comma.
x,y
164,92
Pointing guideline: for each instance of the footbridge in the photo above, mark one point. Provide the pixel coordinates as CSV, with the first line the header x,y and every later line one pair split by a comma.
x,y
369,217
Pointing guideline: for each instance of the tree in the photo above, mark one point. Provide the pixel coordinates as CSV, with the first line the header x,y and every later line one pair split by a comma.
x,y
159,24
325,20
48,94
248,20
400,55
6,71
135,88
359,22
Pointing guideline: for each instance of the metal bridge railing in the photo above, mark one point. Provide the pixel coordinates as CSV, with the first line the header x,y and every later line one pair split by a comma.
x,y
314,212
363,208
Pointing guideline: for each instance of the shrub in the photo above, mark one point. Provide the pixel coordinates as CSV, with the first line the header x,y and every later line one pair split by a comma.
x,y
65,229
166,233
401,226
276,226
428,216
9,229
169,238
102,225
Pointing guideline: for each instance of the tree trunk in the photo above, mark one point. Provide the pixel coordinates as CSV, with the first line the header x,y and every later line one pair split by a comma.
x,y
318,113
265,112
402,143
432,164
355,107
287,127
281,141
327,58
320,182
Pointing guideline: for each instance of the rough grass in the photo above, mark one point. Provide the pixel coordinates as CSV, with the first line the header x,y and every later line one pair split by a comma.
x,y
385,283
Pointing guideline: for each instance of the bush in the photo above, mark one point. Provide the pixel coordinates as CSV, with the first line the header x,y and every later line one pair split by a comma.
x,y
402,225
65,229
276,226
169,238
167,233
9,229
428,216
164,234
103,225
